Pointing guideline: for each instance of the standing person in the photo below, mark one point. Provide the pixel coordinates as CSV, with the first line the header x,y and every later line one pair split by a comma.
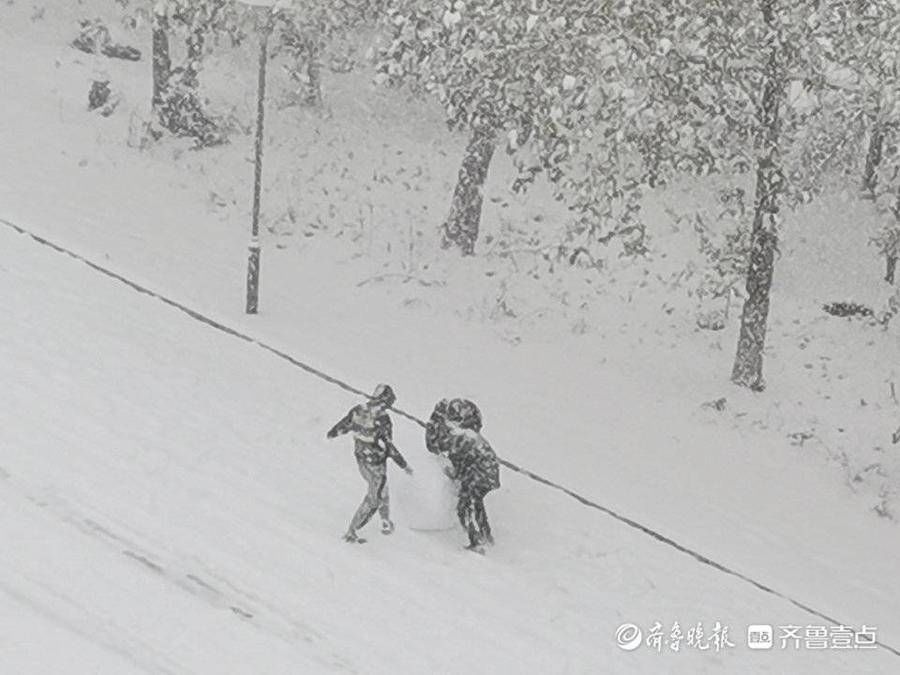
x,y
454,430
372,433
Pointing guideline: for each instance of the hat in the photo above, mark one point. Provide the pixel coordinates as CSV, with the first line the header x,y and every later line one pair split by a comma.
x,y
384,394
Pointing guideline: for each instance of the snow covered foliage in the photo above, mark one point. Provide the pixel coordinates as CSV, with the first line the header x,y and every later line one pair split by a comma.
x,y
875,61
726,246
753,87
611,99
551,79
177,104
201,23
317,34
867,72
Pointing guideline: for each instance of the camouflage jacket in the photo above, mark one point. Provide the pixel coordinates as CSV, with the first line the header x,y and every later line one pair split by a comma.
x,y
373,434
461,411
471,456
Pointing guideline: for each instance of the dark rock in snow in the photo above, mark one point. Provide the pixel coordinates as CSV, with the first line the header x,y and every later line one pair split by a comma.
x,y
99,94
843,309
94,39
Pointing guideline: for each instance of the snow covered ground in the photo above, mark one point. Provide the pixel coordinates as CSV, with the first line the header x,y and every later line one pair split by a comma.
x,y
171,501
170,505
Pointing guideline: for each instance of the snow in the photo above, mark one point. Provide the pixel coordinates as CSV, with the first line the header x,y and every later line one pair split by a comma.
x,y
175,508
170,503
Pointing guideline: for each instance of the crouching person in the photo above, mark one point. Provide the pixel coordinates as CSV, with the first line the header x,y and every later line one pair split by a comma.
x,y
373,444
454,430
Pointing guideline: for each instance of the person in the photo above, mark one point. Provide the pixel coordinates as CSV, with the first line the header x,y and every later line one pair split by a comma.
x,y
454,430
373,443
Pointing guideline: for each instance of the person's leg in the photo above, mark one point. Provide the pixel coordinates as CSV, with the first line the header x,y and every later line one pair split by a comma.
x,y
481,518
375,477
466,515
384,510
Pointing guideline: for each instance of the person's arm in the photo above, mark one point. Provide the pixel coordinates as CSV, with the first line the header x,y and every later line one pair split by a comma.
x,y
342,427
395,455
384,434
436,429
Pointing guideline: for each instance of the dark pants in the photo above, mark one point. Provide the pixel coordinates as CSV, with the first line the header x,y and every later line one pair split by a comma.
x,y
472,514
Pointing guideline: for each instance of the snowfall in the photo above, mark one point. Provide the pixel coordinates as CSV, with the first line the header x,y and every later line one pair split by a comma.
x,y
169,502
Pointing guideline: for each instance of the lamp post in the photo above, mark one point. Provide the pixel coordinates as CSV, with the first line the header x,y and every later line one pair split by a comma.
x,y
264,24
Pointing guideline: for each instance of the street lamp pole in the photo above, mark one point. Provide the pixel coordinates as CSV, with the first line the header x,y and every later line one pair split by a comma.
x,y
254,248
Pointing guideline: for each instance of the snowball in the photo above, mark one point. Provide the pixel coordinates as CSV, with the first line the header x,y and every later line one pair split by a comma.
x,y
427,499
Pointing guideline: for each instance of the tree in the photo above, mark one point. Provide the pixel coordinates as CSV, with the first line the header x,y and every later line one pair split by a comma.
x,y
306,32
176,102
769,176
873,159
461,226
610,98
546,77
888,240
759,92
162,60
301,41
872,53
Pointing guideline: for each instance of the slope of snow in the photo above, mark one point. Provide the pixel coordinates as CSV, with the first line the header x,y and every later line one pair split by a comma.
x,y
170,505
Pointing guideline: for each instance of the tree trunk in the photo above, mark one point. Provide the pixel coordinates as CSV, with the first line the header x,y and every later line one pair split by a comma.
x,y
461,226
748,363
162,62
873,159
312,96
892,244
890,247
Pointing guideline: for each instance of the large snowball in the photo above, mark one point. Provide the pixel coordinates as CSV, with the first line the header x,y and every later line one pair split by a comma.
x,y
427,499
